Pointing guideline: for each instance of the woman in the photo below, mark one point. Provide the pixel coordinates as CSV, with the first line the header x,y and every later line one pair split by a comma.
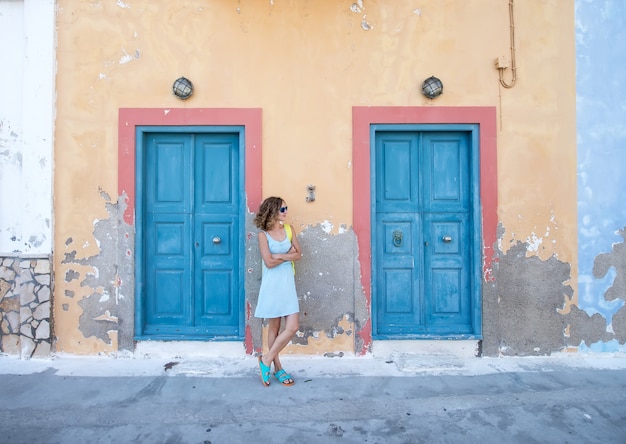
x,y
277,297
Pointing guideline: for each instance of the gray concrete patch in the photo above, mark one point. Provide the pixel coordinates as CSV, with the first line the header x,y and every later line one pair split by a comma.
x,y
520,316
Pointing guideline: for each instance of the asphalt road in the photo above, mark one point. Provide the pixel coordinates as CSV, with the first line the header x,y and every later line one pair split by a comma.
x,y
542,405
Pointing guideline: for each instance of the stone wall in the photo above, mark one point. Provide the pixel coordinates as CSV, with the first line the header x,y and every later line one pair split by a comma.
x,y
25,289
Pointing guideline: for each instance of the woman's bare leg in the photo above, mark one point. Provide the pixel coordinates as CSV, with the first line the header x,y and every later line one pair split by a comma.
x,y
282,339
272,333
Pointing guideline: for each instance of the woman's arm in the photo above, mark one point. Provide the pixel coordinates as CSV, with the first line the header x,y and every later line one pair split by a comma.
x,y
271,260
294,253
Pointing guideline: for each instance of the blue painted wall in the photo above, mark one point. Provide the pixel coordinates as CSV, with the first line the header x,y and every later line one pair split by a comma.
x,y
601,134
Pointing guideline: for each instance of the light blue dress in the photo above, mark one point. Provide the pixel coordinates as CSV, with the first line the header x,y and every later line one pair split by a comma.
x,y
277,296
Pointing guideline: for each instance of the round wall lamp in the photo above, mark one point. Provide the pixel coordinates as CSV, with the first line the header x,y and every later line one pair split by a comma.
x,y
183,88
432,87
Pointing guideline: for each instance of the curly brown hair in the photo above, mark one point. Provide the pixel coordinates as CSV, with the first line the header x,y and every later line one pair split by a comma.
x,y
268,211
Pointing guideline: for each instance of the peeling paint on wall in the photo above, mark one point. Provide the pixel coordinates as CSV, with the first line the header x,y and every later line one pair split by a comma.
x,y
332,308
613,266
521,307
129,58
528,309
99,288
541,240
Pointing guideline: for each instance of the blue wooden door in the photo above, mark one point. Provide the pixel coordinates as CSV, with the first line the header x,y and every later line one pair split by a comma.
x,y
421,234
191,238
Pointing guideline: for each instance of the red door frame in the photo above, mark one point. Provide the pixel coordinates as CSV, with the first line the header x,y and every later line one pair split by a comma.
x,y
362,119
250,118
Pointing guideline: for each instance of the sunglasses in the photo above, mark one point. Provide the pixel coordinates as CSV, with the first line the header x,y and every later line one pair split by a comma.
x,y
283,209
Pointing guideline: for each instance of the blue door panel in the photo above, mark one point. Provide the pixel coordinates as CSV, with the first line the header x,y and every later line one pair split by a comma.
x,y
192,192
217,173
216,234
400,292
216,169
448,256
169,301
167,246
446,286
216,288
445,169
167,190
397,183
421,233
397,158
396,283
215,278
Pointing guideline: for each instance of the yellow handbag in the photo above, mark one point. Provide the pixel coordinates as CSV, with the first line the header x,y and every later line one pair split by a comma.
x,y
289,236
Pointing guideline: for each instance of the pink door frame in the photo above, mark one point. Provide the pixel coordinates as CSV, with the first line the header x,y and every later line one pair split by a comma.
x,y
250,118
362,119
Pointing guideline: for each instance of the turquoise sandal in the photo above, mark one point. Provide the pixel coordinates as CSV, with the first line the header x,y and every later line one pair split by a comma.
x,y
284,378
265,373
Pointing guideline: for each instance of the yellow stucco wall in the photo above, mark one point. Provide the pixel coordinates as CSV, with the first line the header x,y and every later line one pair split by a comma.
x,y
306,63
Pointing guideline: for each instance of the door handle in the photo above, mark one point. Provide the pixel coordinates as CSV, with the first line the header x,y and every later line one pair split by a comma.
x,y
447,239
397,238
217,240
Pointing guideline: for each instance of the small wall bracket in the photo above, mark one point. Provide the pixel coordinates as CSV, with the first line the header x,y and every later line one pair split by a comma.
x,y
311,193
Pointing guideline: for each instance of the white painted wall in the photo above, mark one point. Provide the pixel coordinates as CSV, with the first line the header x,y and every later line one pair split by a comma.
x,y
27,94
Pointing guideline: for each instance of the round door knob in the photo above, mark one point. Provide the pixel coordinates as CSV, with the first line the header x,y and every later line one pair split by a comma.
x,y
217,240
447,239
